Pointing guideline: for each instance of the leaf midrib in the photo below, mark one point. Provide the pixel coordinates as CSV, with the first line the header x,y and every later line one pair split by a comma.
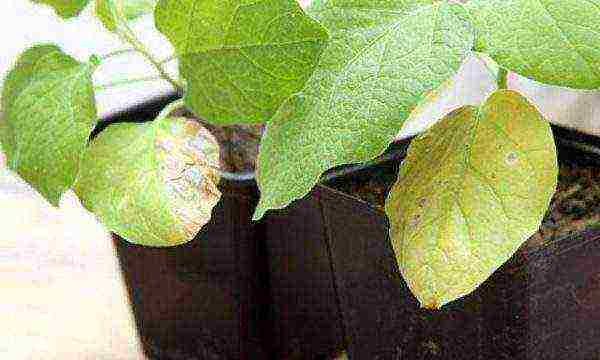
x,y
16,106
392,26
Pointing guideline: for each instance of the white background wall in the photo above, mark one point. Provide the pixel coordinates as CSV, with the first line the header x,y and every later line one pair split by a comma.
x,y
472,84
23,23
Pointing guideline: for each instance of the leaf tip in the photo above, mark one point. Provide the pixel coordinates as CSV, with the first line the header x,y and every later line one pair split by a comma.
x,y
52,197
259,213
431,304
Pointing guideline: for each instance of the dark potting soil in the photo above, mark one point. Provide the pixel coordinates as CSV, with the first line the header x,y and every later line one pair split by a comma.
x,y
239,144
575,206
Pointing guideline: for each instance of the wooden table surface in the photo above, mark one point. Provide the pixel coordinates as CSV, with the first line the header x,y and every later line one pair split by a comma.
x,y
61,291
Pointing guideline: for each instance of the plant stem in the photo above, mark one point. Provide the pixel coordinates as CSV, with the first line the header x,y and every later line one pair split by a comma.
x,y
117,53
125,32
141,48
109,85
497,72
168,59
502,79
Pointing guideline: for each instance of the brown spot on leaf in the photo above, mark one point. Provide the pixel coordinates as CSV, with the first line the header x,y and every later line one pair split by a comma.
x,y
415,220
189,157
512,158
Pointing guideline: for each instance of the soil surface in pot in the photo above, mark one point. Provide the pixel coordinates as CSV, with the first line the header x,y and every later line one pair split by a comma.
x,y
575,206
239,144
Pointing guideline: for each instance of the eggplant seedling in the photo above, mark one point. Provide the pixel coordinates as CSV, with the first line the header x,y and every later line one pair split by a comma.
x,y
333,85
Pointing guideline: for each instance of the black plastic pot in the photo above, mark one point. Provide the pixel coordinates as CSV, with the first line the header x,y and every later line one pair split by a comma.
x,y
542,304
206,299
320,276
304,309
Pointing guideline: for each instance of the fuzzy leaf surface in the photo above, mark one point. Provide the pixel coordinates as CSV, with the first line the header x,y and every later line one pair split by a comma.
x,y
472,189
65,8
149,182
49,111
555,42
383,58
241,58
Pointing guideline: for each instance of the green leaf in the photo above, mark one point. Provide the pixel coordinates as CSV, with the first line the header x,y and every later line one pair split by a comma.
x,y
151,183
133,9
107,11
556,42
384,58
48,114
65,8
241,58
472,189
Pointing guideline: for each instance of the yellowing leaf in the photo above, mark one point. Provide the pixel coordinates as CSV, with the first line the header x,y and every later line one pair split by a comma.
x,y
472,189
154,183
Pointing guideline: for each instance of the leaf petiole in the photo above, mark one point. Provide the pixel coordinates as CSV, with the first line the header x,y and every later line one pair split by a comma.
x,y
499,73
117,53
124,82
502,79
168,59
128,36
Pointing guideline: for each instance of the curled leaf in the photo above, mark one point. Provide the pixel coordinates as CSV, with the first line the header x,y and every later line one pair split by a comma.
x,y
154,183
188,155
